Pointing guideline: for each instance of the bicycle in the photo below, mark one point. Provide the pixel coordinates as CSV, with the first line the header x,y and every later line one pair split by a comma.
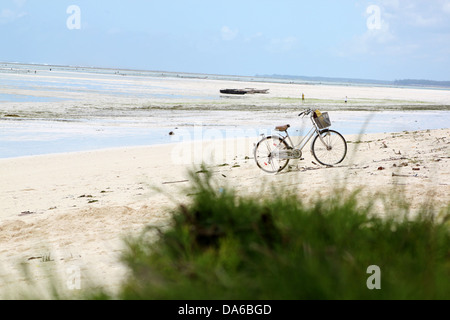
x,y
273,153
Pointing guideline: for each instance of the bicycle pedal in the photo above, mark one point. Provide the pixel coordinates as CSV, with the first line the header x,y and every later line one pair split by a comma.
x,y
302,159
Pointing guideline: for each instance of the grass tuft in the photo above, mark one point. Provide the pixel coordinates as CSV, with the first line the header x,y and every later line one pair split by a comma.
x,y
223,246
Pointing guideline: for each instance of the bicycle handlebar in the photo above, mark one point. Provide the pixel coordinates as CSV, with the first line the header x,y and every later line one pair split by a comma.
x,y
305,112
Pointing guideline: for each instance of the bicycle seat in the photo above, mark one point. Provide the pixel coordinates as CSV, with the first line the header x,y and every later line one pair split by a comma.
x,y
283,128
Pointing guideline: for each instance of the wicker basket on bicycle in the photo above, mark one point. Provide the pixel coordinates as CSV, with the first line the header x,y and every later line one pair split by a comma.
x,y
322,119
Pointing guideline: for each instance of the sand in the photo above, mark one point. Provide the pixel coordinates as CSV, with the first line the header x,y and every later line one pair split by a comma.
x,y
64,216
75,209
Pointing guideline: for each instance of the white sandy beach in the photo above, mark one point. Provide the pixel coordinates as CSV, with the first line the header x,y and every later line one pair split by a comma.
x,y
76,208
66,214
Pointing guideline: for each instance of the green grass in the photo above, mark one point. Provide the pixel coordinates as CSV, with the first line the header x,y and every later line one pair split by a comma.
x,y
223,246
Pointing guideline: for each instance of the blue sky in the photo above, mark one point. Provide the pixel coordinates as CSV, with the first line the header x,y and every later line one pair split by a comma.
x,y
379,39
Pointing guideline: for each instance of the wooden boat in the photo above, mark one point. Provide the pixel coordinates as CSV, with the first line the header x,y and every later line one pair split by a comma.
x,y
253,91
233,91
244,91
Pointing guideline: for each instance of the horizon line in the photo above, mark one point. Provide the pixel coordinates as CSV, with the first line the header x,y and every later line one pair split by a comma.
x,y
270,76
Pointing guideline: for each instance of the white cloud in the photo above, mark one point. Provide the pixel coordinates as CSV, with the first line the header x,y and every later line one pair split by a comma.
x,y
446,7
7,14
378,31
228,34
10,15
416,13
396,28
421,21
390,3
378,37
371,43
20,3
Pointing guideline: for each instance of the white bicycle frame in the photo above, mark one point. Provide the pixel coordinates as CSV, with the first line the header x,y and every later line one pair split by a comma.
x,y
302,144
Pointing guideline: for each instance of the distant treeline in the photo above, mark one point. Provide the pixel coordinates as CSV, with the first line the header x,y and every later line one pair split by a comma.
x,y
403,82
413,82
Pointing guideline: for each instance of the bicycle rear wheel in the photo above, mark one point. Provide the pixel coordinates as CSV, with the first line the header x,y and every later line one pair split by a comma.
x,y
331,149
267,154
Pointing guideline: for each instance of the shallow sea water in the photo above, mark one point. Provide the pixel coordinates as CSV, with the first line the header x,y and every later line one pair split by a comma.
x,y
35,137
27,137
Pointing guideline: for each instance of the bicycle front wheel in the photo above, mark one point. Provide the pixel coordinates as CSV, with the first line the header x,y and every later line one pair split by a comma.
x,y
329,148
267,153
